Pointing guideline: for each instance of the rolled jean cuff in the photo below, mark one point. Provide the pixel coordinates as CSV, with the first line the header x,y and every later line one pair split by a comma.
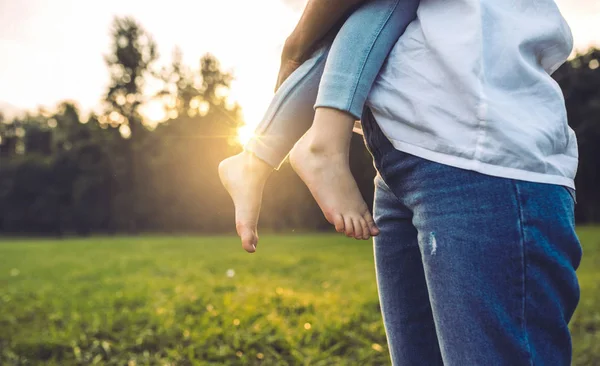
x,y
272,150
335,85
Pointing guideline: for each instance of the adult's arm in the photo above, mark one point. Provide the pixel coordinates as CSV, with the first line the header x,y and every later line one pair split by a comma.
x,y
318,19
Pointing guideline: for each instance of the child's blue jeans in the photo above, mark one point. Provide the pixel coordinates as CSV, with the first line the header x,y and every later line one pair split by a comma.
x,y
338,75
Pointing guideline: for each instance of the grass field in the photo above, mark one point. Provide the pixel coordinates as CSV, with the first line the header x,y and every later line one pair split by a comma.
x,y
303,300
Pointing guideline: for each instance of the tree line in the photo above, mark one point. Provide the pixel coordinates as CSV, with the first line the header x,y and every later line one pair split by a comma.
x,y
117,172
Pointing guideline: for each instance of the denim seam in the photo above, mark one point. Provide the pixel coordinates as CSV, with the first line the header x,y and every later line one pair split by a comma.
x,y
286,96
364,61
524,272
572,194
369,132
387,187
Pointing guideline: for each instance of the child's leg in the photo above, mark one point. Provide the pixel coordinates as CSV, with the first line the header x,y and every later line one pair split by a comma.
x,y
355,58
338,75
359,50
291,111
289,115
370,33
321,159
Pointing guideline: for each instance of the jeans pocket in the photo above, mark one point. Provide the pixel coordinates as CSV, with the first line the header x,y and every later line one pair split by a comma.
x,y
572,193
367,130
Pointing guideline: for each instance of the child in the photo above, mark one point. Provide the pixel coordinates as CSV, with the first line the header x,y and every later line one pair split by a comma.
x,y
338,76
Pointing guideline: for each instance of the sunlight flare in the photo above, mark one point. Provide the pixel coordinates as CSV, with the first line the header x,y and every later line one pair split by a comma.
x,y
153,112
244,134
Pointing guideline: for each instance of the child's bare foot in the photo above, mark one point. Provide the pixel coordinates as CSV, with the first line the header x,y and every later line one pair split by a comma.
x,y
320,158
244,176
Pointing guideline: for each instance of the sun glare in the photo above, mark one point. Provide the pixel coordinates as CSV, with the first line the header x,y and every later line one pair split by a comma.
x,y
244,134
153,112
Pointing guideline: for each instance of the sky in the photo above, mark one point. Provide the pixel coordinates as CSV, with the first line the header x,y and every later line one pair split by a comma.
x,y
52,50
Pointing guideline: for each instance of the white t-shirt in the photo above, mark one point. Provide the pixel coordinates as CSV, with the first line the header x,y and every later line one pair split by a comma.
x,y
468,85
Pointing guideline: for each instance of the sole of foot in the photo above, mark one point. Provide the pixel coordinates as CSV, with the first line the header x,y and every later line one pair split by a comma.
x,y
244,176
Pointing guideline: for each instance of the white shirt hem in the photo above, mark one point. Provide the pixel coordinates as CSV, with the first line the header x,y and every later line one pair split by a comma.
x,y
481,167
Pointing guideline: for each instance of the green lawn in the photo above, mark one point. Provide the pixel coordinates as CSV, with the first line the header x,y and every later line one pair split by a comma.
x,y
154,300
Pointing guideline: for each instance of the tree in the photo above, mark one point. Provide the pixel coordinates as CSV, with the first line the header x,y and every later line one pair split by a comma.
x,y
133,52
9,140
187,148
580,83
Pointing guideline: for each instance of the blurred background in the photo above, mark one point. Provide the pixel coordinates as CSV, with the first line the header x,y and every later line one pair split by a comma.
x,y
114,228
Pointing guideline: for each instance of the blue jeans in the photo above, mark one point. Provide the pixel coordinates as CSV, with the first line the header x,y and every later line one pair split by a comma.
x,y
338,75
472,269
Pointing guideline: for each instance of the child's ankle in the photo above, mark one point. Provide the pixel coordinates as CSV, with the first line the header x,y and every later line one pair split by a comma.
x,y
326,145
253,162
331,131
